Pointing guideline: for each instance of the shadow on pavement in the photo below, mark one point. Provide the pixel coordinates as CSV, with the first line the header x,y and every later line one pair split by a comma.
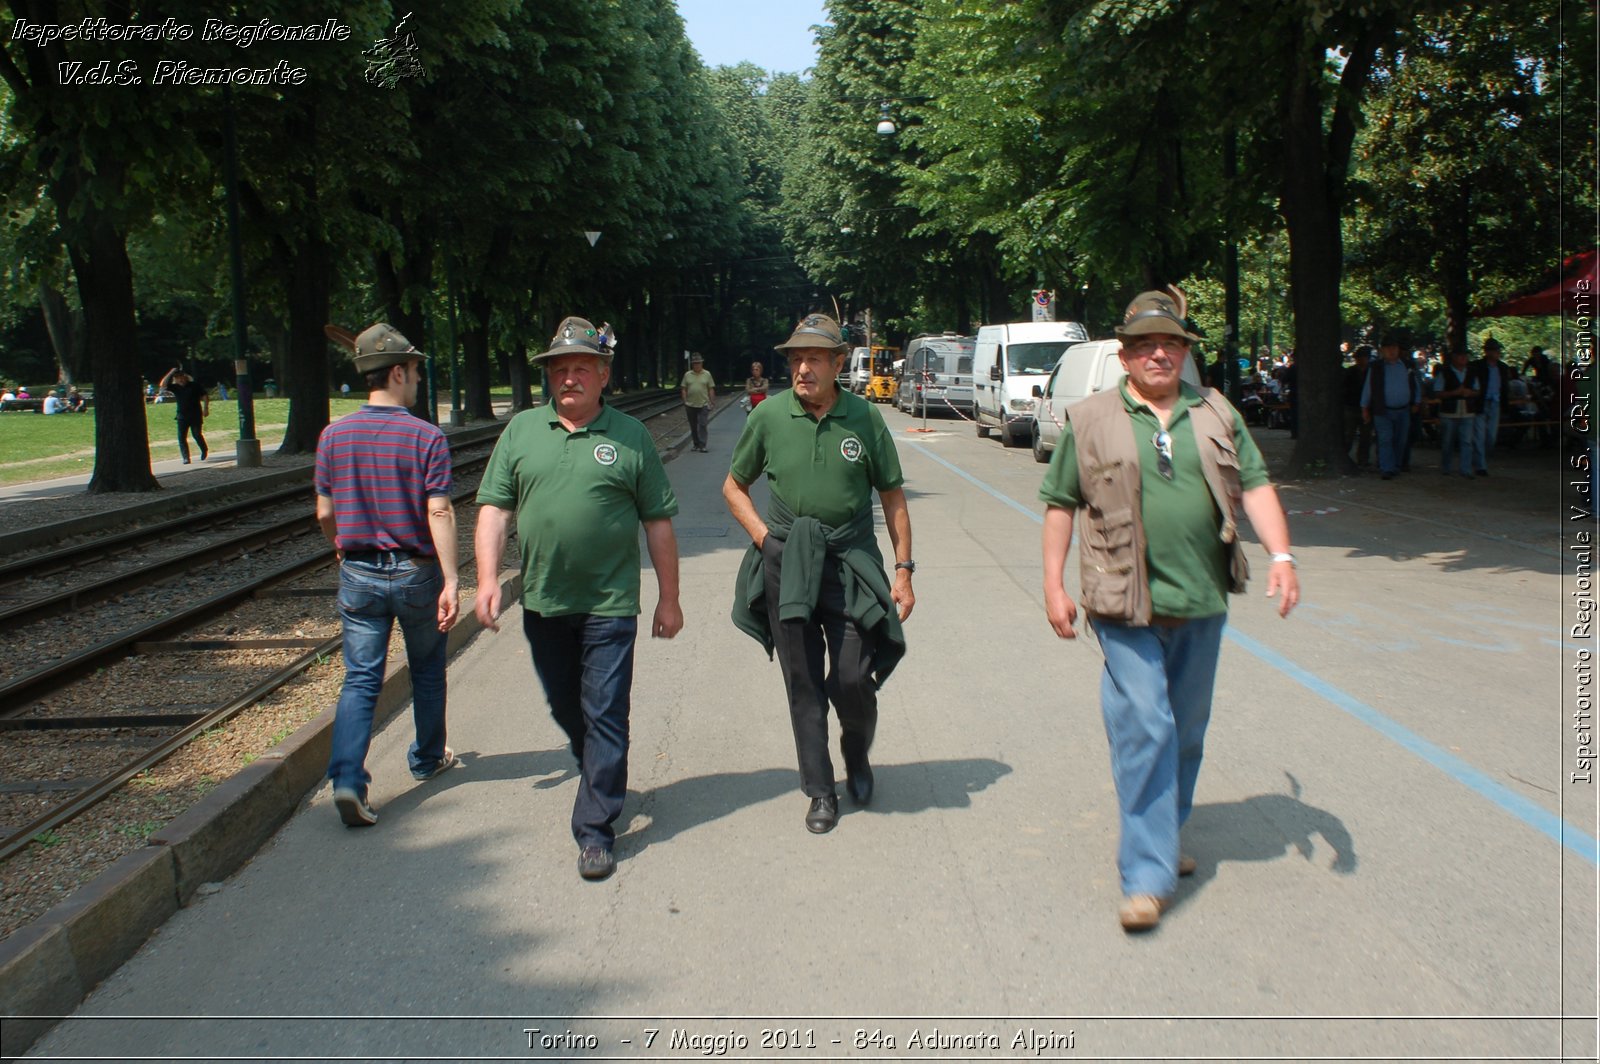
x,y
1264,827
688,803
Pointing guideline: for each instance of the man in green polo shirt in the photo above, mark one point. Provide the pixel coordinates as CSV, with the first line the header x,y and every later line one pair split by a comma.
x,y
812,585
580,478
1157,468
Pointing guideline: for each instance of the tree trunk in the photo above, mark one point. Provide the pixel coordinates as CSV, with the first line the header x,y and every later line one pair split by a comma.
x,y
1455,284
521,380
475,356
99,254
67,334
307,367
1316,162
1315,262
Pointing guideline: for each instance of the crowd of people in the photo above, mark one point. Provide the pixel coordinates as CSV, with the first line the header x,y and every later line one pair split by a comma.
x,y
1468,405
62,399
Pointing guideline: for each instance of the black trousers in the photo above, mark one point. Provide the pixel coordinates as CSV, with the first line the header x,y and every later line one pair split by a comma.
x,y
824,659
185,429
699,420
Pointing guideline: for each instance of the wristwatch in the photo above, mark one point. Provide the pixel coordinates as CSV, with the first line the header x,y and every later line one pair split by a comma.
x,y
1284,557
908,565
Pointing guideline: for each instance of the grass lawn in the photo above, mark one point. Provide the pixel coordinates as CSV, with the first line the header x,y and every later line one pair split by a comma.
x,y
34,447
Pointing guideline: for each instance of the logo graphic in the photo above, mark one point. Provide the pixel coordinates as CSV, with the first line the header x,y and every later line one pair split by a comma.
x,y
391,60
851,449
605,454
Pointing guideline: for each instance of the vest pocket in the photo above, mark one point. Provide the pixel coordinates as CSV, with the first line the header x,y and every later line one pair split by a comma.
x,y
1107,549
1108,531
1227,454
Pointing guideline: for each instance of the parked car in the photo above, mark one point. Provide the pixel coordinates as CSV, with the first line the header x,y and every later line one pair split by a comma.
x,y
936,375
1081,371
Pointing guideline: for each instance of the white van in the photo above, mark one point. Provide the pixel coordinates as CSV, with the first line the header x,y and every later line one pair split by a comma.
x,y
1008,362
1082,370
857,370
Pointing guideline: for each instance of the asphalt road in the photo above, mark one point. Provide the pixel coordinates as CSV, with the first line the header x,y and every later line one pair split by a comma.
x,y
1384,871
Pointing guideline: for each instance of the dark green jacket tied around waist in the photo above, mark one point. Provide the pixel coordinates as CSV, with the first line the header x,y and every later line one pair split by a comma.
x,y
807,545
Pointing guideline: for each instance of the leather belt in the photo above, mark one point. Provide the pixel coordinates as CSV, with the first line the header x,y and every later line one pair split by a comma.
x,y
380,557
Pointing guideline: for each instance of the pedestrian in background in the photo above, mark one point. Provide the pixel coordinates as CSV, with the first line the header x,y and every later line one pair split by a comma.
x,y
1158,469
383,501
756,385
1357,430
698,390
1389,399
1493,375
580,477
1457,388
194,406
812,586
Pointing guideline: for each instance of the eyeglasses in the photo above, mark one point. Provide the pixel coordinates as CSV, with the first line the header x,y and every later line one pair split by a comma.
x,y
1163,441
1146,348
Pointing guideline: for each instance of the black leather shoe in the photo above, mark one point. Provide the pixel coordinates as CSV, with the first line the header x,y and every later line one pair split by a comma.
x,y
823,814
858,779
596,862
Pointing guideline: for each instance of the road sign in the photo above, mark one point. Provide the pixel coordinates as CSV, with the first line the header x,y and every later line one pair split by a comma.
x,y
1044,304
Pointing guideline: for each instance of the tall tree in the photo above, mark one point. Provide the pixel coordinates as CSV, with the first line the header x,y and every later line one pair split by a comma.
x,y
102,141
1460,176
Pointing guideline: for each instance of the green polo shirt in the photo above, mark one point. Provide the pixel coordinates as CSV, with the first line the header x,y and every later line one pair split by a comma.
x,y
825,467
1187,561
579,497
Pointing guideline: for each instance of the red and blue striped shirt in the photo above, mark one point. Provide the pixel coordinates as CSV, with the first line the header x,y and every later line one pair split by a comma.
x,y
380,466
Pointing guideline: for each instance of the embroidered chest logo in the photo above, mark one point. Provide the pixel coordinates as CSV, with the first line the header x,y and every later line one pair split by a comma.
x,y
605,454
851,449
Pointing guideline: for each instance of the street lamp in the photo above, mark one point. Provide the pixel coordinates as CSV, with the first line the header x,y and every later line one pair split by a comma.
x,y
886,127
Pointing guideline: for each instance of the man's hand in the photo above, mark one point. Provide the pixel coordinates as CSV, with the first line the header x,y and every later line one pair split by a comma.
x,y
1282,577
902,593
668,620
449,605
488,605
1061,611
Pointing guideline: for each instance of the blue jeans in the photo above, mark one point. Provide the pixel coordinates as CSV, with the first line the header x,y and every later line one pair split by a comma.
x,y
1488,428
372,596
1155,696
1391,427
1457,437
586,666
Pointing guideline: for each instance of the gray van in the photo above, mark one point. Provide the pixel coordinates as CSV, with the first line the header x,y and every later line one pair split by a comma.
x,y
936,377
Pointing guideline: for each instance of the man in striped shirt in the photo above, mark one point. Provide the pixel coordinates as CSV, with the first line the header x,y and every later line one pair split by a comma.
x,y
383,501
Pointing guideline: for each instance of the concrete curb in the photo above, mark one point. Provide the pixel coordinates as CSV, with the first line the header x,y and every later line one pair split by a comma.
x,y
48,967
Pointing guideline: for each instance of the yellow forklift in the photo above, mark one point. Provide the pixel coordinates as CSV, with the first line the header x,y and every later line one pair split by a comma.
x,y
885,379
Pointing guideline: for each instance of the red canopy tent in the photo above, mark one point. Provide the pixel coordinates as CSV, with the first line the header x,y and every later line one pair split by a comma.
x,y
1558,297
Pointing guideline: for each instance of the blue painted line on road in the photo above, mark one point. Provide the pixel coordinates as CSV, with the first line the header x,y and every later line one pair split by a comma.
x,y
975,482
1530,813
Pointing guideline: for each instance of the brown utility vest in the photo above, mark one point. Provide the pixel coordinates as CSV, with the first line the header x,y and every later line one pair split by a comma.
x,y
1111,542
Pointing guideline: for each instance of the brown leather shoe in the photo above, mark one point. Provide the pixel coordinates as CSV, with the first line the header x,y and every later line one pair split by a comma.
x,y
1140,912
1187,865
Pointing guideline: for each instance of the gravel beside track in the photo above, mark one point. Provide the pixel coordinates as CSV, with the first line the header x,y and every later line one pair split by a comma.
x,y
41,876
